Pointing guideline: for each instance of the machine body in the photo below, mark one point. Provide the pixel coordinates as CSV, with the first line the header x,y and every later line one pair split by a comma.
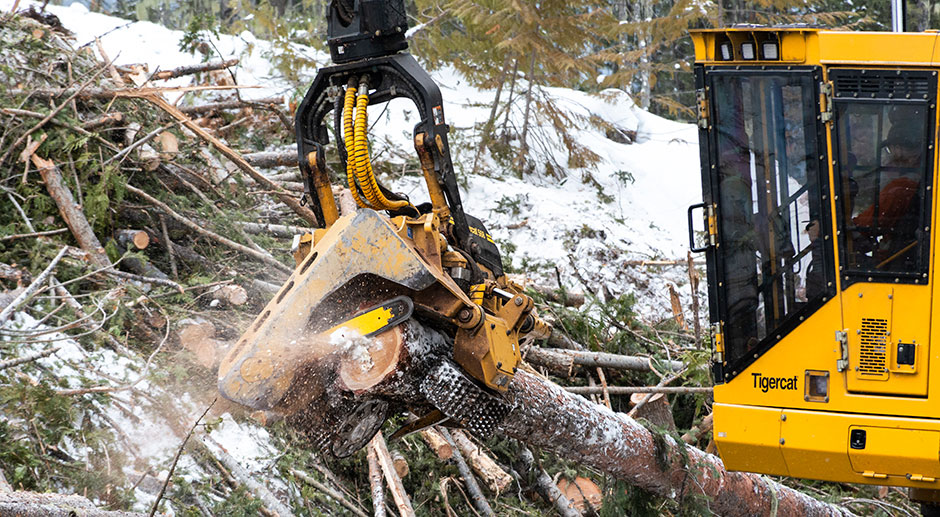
x,y
819,159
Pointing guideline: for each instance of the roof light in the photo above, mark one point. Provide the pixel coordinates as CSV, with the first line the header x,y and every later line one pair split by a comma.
x,y
726,51
769,50
747,51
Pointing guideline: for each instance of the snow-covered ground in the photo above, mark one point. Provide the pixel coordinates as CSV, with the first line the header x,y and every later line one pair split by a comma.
x,y
558,222
650,182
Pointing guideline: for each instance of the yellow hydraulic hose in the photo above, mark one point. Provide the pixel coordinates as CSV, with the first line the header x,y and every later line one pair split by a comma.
x,y
364,173
349,102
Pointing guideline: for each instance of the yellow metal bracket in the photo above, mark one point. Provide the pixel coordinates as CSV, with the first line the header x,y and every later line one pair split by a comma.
x,y
825,101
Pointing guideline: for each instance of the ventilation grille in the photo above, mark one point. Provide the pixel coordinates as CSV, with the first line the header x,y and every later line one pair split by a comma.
x,y
872,357
881,85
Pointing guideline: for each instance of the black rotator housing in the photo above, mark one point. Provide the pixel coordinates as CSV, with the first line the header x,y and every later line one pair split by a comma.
x,y
359,29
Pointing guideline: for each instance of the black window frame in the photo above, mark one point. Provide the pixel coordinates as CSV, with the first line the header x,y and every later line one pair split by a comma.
x,y
885,96
726,370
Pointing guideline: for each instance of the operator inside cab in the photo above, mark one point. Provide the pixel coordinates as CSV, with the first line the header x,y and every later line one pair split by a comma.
x,y
883,187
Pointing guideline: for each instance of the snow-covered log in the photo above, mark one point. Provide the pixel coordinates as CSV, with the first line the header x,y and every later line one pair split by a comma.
x,y
547,416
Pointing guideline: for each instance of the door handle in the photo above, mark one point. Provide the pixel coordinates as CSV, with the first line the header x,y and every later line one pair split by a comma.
x,y
692,231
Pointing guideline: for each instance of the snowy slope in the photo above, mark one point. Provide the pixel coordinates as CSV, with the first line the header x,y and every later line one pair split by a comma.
x,y
651,181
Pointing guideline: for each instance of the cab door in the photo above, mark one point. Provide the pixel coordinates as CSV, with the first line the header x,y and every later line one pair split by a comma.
x,y
766,176
883,138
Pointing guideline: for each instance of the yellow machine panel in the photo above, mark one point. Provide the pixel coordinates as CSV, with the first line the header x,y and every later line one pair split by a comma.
x,y
819,172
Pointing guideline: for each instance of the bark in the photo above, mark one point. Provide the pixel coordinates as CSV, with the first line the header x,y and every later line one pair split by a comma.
x,y
559,359
376,483
473,489
402,501
194,69
277,230
70,211
437,443
693,285
267,160
512,90
524,149
547,416
496,479
547,488
656,410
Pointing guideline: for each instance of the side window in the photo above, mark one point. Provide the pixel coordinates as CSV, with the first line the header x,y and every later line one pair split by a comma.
x,y
884,174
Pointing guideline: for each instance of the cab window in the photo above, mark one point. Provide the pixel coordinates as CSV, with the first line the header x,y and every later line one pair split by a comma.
x,y
883,176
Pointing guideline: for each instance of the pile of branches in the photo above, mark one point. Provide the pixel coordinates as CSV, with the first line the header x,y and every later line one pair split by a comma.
x,y
134,219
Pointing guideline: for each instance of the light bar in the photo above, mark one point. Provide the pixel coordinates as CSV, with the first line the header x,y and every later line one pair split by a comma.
x,y
769,50
747,51
726,51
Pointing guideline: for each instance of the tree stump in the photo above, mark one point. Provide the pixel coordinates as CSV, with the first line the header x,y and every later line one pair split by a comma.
x,y
656,410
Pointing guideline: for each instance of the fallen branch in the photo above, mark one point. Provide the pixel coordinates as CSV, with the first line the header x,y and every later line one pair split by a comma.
x,y
70,211
193,69
267,259
34,287
29,358
245,478
236,158
476,495
107,119
564,359
402,501
277,230
376,483
547,488
629,390
32,504
271,159
328,491
496,479
228,105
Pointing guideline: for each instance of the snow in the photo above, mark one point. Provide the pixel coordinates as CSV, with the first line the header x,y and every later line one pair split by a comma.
x,y
630,205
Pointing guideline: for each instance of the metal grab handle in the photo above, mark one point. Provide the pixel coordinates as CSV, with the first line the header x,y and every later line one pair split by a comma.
x,y
692,232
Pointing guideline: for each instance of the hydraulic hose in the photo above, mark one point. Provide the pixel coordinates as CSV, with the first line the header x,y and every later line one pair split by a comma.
x,y
365,176
349,102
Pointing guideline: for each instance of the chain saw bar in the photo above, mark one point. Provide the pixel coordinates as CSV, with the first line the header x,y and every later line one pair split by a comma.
x,y
389,77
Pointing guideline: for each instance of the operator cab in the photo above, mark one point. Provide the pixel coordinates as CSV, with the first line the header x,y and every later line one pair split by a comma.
x,y
818,170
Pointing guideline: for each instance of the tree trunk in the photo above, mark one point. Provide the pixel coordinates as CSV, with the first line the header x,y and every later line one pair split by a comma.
x,y
572,427
524,148
512,89
488,127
